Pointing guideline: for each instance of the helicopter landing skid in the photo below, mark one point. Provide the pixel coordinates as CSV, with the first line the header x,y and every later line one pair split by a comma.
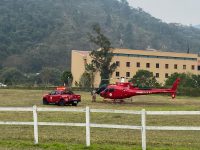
x,y
117,101
114,101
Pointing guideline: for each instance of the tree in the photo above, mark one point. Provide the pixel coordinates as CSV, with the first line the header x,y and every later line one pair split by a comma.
x,y
55,77
101,58
196,81
12,76
85,80
187,80
45,75
90,68
67,78
145,78
33,79
50,76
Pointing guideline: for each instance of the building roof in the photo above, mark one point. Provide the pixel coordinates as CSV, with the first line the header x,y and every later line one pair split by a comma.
x,y
154,53
84,53
144,52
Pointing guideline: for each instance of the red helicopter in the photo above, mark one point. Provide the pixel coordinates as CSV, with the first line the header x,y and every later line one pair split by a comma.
x,y
122,90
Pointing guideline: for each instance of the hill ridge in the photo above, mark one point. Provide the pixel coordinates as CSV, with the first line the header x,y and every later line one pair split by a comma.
x,y
36,33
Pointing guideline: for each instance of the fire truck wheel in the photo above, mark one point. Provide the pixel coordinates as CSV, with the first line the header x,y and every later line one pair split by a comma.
x,y
45,102
74,104
61,102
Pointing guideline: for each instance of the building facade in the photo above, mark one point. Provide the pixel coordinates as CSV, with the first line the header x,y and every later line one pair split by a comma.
x,y
128,61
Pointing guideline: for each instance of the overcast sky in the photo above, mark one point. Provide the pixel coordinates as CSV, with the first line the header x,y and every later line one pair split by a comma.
x,y
180,11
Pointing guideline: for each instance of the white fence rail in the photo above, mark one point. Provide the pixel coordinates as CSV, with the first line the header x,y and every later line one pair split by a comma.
x,y
88,124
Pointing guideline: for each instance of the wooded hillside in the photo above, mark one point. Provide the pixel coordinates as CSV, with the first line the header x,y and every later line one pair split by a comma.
x,y
41,33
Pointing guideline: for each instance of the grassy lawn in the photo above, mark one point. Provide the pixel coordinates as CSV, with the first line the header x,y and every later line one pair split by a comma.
x,y
72,138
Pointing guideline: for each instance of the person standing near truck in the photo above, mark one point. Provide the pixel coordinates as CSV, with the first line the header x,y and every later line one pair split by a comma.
x,y
93,94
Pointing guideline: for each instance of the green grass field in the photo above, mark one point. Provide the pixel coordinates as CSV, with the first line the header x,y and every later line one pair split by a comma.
x,y
72,138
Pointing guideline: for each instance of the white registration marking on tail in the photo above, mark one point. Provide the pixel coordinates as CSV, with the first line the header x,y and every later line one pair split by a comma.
x,y
143,92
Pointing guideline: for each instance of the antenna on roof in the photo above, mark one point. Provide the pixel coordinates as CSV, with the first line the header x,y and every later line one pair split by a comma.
x,y
188,47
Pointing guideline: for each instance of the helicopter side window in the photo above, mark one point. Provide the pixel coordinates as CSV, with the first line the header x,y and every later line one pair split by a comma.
x,y
111,90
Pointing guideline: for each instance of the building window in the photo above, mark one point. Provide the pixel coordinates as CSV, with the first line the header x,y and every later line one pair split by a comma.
x,y
117,74
166,75
128,64
192,67
175,66
157,65
198,67
117,63
166,66
184,66
138,64
157,75
148,65
127,74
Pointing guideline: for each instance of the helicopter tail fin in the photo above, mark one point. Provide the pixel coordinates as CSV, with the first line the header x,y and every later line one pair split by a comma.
x,y
174,88
175,84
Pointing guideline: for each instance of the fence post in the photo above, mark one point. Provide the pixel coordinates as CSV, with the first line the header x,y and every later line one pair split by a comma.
x,y
143,129
87,113
35,124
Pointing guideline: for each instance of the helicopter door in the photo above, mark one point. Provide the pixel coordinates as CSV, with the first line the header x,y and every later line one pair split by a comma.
x,y
111,92
124,93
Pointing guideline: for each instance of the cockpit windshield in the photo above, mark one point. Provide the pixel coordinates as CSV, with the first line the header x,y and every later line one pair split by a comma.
x,y
106,90
52,93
